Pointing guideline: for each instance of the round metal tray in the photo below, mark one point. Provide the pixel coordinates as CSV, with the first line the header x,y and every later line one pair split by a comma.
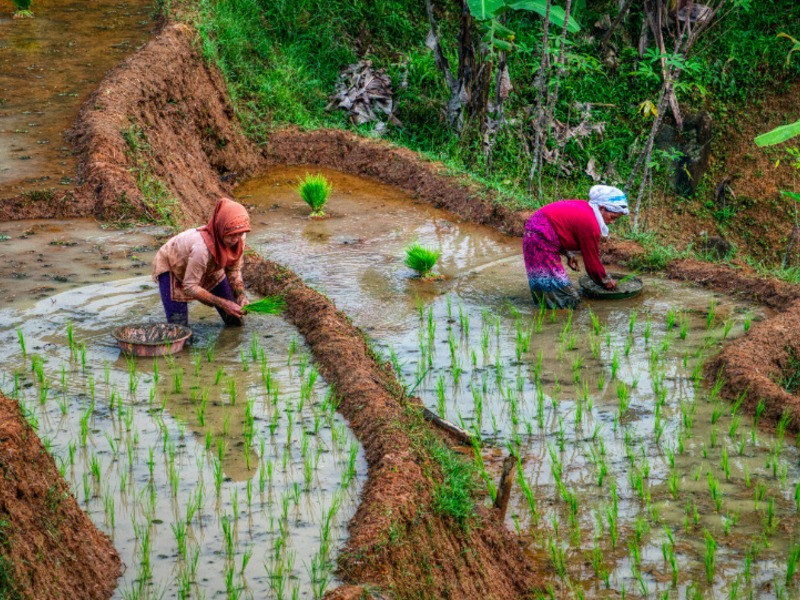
x,y
151,339
627,289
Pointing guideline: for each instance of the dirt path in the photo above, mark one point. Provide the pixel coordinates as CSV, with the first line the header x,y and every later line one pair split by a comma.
x,y
48,546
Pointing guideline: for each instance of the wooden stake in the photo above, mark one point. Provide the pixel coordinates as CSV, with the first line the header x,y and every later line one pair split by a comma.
x,y
504,489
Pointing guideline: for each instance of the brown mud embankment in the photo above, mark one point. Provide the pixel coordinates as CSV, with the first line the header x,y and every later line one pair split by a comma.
x,y
752,368
398,541
48,546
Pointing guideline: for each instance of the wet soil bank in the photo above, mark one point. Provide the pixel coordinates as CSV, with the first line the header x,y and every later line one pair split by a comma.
x,y
160,122
48,67
398,541
48,546
754,366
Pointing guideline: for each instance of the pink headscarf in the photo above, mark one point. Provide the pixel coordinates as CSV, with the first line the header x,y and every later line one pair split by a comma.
x,y
228,218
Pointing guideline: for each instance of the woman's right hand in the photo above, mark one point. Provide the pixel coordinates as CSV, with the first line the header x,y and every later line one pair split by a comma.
x,y
610,284
233,309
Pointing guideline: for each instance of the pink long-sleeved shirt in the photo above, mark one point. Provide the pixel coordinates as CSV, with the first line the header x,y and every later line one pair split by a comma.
x,y
578,231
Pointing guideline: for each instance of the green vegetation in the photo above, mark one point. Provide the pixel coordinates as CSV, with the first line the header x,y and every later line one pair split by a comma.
x,y
8,589
23,9
421,259
790,371
315,190
160,206
271,305
455,496
282,58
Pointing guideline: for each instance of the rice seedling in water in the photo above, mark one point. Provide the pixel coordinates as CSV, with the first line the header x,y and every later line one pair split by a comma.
x,y
791,563
684,325
21,338
315,191
726,327
715,491
711,316
421,259
710,557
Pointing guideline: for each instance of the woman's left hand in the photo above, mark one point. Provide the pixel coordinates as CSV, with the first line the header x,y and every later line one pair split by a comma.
x,y
572,262
242,299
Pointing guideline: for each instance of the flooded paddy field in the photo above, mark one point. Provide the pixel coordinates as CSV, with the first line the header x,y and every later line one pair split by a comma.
x,y
48,66
223,472
635,479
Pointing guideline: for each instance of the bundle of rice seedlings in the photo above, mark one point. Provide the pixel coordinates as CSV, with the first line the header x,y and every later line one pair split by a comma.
x,y
271,305
23,9
421,259
315,190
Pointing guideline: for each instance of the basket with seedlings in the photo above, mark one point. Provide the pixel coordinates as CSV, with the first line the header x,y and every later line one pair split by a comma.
x,y
315,191
422,260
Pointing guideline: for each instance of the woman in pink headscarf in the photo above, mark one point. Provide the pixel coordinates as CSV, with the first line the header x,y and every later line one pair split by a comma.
x,y
205,264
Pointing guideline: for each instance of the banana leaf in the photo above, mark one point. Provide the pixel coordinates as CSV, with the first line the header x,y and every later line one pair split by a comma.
x,y
540,7
779,134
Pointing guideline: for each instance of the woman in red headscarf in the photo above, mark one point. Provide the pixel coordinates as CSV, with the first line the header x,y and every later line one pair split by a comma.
x,y
205,264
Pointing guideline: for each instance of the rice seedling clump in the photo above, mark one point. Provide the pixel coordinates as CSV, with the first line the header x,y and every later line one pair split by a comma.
x,y
23,9
315,191
271,305
421,259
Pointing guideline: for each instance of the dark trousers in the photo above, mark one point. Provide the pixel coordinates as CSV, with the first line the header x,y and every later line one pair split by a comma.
x,y
178,312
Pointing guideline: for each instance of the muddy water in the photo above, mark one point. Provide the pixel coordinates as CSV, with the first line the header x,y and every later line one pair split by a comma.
x,y
223,471
48,66
635,479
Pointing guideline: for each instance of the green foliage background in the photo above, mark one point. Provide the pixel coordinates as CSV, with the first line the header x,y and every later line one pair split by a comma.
x,y
281,59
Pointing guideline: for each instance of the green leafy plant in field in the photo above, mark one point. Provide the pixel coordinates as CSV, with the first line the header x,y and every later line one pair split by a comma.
x,y
421,259
271,305
315,191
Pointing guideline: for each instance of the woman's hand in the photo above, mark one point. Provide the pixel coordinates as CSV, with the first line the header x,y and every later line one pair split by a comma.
x,y
230,307
611,284
572,262
242,300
